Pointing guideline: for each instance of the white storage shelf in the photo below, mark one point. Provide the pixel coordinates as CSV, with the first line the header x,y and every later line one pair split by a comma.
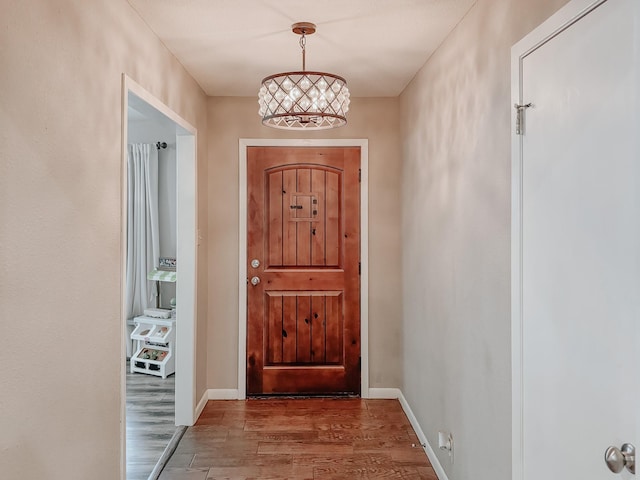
x,y
155,340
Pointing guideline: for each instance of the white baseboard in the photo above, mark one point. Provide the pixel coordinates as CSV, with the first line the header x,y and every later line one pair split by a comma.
x,y
396,393
215,394
435,463
201,404
223,394
385,393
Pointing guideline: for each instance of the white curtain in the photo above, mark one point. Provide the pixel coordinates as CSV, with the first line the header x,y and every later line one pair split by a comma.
x,y
142,227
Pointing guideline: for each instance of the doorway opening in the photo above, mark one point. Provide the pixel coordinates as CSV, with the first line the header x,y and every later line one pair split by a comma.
x,y
147,121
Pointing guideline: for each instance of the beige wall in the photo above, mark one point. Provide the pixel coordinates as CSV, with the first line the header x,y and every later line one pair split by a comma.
x,y
60,221
231,118
456,237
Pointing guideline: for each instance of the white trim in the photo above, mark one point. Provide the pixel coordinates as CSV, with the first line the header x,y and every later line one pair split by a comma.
x,y
516,331
559,21
186,284
435,462
186,290
242,271
364,247
215,394
201,404
562,19
123,280
385,393
364,268
223,394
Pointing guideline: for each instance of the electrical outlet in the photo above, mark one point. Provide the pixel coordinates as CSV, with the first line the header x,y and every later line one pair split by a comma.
x,y
445,443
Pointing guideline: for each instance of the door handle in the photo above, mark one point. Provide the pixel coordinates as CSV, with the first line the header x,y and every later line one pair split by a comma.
x,y
619,458
255,281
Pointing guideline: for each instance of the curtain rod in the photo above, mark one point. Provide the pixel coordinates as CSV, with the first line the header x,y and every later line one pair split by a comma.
x,y
160,145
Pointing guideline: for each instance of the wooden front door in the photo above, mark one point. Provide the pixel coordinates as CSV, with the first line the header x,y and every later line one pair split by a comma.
x,y
303,312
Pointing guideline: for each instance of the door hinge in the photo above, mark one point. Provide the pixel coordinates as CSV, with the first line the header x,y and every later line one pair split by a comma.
x,y
519,117
359,268
360,175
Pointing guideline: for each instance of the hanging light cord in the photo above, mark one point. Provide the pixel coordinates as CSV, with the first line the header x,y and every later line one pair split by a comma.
x,y
303,43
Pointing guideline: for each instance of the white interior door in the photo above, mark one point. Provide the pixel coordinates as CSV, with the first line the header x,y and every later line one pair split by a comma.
x,y
577,227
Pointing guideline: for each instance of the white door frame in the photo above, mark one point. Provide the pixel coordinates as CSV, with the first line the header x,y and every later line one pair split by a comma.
x,y
364,249
561,20
186,291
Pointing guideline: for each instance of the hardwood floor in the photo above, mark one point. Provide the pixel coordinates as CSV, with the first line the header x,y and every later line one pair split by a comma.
x,y
150,421
278,439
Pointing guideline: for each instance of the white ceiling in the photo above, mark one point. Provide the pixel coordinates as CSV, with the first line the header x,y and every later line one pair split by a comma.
x,y
228,46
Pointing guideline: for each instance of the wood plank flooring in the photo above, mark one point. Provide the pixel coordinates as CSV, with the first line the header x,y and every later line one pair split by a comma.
x,y
277,439
150,421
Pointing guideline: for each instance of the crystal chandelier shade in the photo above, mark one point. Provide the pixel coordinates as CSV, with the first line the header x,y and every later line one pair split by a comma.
x,y
303,100
299,100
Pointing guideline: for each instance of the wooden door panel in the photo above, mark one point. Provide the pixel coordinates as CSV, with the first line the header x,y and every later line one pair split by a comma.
x,y
303,209
275,228
290,229
321,382
303,225
332,223
275,330
318,185
302,198
301,330
289,322
334,329
318,329
303,325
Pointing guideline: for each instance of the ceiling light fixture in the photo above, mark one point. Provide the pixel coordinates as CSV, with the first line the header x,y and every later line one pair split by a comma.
x,y
303,100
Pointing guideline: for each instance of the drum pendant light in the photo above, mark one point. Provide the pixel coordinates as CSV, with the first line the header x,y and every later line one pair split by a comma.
x,y
303,100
